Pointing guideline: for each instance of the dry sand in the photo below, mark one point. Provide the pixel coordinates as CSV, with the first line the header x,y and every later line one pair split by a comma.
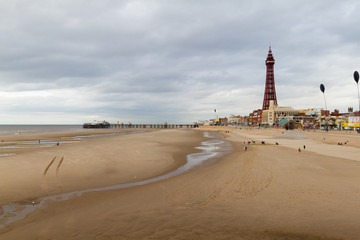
x,y
268,192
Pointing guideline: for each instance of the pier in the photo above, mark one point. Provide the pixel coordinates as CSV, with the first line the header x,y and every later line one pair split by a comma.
x,y
130,125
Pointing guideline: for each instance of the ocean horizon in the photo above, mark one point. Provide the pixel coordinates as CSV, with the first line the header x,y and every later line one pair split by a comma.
x,y
38,128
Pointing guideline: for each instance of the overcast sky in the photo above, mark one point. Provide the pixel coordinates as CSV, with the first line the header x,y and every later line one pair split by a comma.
x,y
74,61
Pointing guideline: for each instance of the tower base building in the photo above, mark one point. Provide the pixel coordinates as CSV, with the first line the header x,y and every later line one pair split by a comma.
x,y
276,113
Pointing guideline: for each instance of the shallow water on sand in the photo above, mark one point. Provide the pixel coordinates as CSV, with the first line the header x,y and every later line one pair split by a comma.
x,y
53,142
211,149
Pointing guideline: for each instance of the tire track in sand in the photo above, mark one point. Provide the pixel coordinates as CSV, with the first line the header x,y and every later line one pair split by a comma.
x,y
58,181
44,175
242,177
252,177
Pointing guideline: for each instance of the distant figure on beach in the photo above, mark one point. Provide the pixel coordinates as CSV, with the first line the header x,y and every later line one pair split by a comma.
x,y
58,144
277,143
299,150
304,147
245,148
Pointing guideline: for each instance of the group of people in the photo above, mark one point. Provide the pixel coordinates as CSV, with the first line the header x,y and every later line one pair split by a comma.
x,y
340,143
245,147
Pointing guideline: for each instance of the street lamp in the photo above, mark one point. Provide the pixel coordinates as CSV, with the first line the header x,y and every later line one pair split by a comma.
x,y
356,78
322,88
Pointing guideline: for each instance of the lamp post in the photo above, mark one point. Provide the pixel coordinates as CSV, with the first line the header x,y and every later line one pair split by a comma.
x,y
216,116
356,78
322,88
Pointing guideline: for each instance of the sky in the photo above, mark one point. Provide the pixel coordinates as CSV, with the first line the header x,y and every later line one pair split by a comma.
x,y
155,61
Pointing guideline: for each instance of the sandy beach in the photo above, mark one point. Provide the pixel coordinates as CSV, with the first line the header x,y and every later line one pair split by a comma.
x,y
270,191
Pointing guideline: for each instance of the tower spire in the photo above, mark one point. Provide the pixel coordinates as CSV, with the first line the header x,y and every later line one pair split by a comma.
x,y
270,93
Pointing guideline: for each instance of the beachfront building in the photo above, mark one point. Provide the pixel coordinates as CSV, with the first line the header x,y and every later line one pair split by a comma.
x,y
276,113
307,120
327,121
255,117
352,120
233,120
223,121
310,111
348,120
288,124
244,120
219,121
320,118
203,123
238,120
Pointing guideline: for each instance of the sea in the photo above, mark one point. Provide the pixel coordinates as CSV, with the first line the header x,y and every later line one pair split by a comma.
x,y
23,129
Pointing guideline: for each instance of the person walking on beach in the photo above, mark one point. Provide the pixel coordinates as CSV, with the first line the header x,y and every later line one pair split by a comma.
x,y
304,147
299,150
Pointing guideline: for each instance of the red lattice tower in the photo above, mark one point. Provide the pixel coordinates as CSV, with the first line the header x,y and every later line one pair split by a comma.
x,y
270,93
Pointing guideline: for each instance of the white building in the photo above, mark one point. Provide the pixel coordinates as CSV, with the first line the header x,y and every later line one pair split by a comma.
x,y
354,121
276,113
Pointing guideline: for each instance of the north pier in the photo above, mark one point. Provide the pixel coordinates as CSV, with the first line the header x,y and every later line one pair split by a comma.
x,y
130,125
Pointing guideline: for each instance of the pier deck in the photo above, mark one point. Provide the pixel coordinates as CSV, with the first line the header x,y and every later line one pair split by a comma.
x,y
140,125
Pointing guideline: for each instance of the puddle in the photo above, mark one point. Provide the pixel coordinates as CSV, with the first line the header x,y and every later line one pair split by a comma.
x,y
6,154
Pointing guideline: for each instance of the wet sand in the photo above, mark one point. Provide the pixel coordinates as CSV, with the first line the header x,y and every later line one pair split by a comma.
x,y
267,192
92,162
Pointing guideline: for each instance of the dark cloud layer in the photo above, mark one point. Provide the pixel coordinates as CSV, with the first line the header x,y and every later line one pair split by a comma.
x,y
156,61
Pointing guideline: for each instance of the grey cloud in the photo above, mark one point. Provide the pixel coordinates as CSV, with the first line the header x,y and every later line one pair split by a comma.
x,y
173,61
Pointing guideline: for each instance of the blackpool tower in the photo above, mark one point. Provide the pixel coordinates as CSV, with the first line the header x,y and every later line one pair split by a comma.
x,y
270,93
